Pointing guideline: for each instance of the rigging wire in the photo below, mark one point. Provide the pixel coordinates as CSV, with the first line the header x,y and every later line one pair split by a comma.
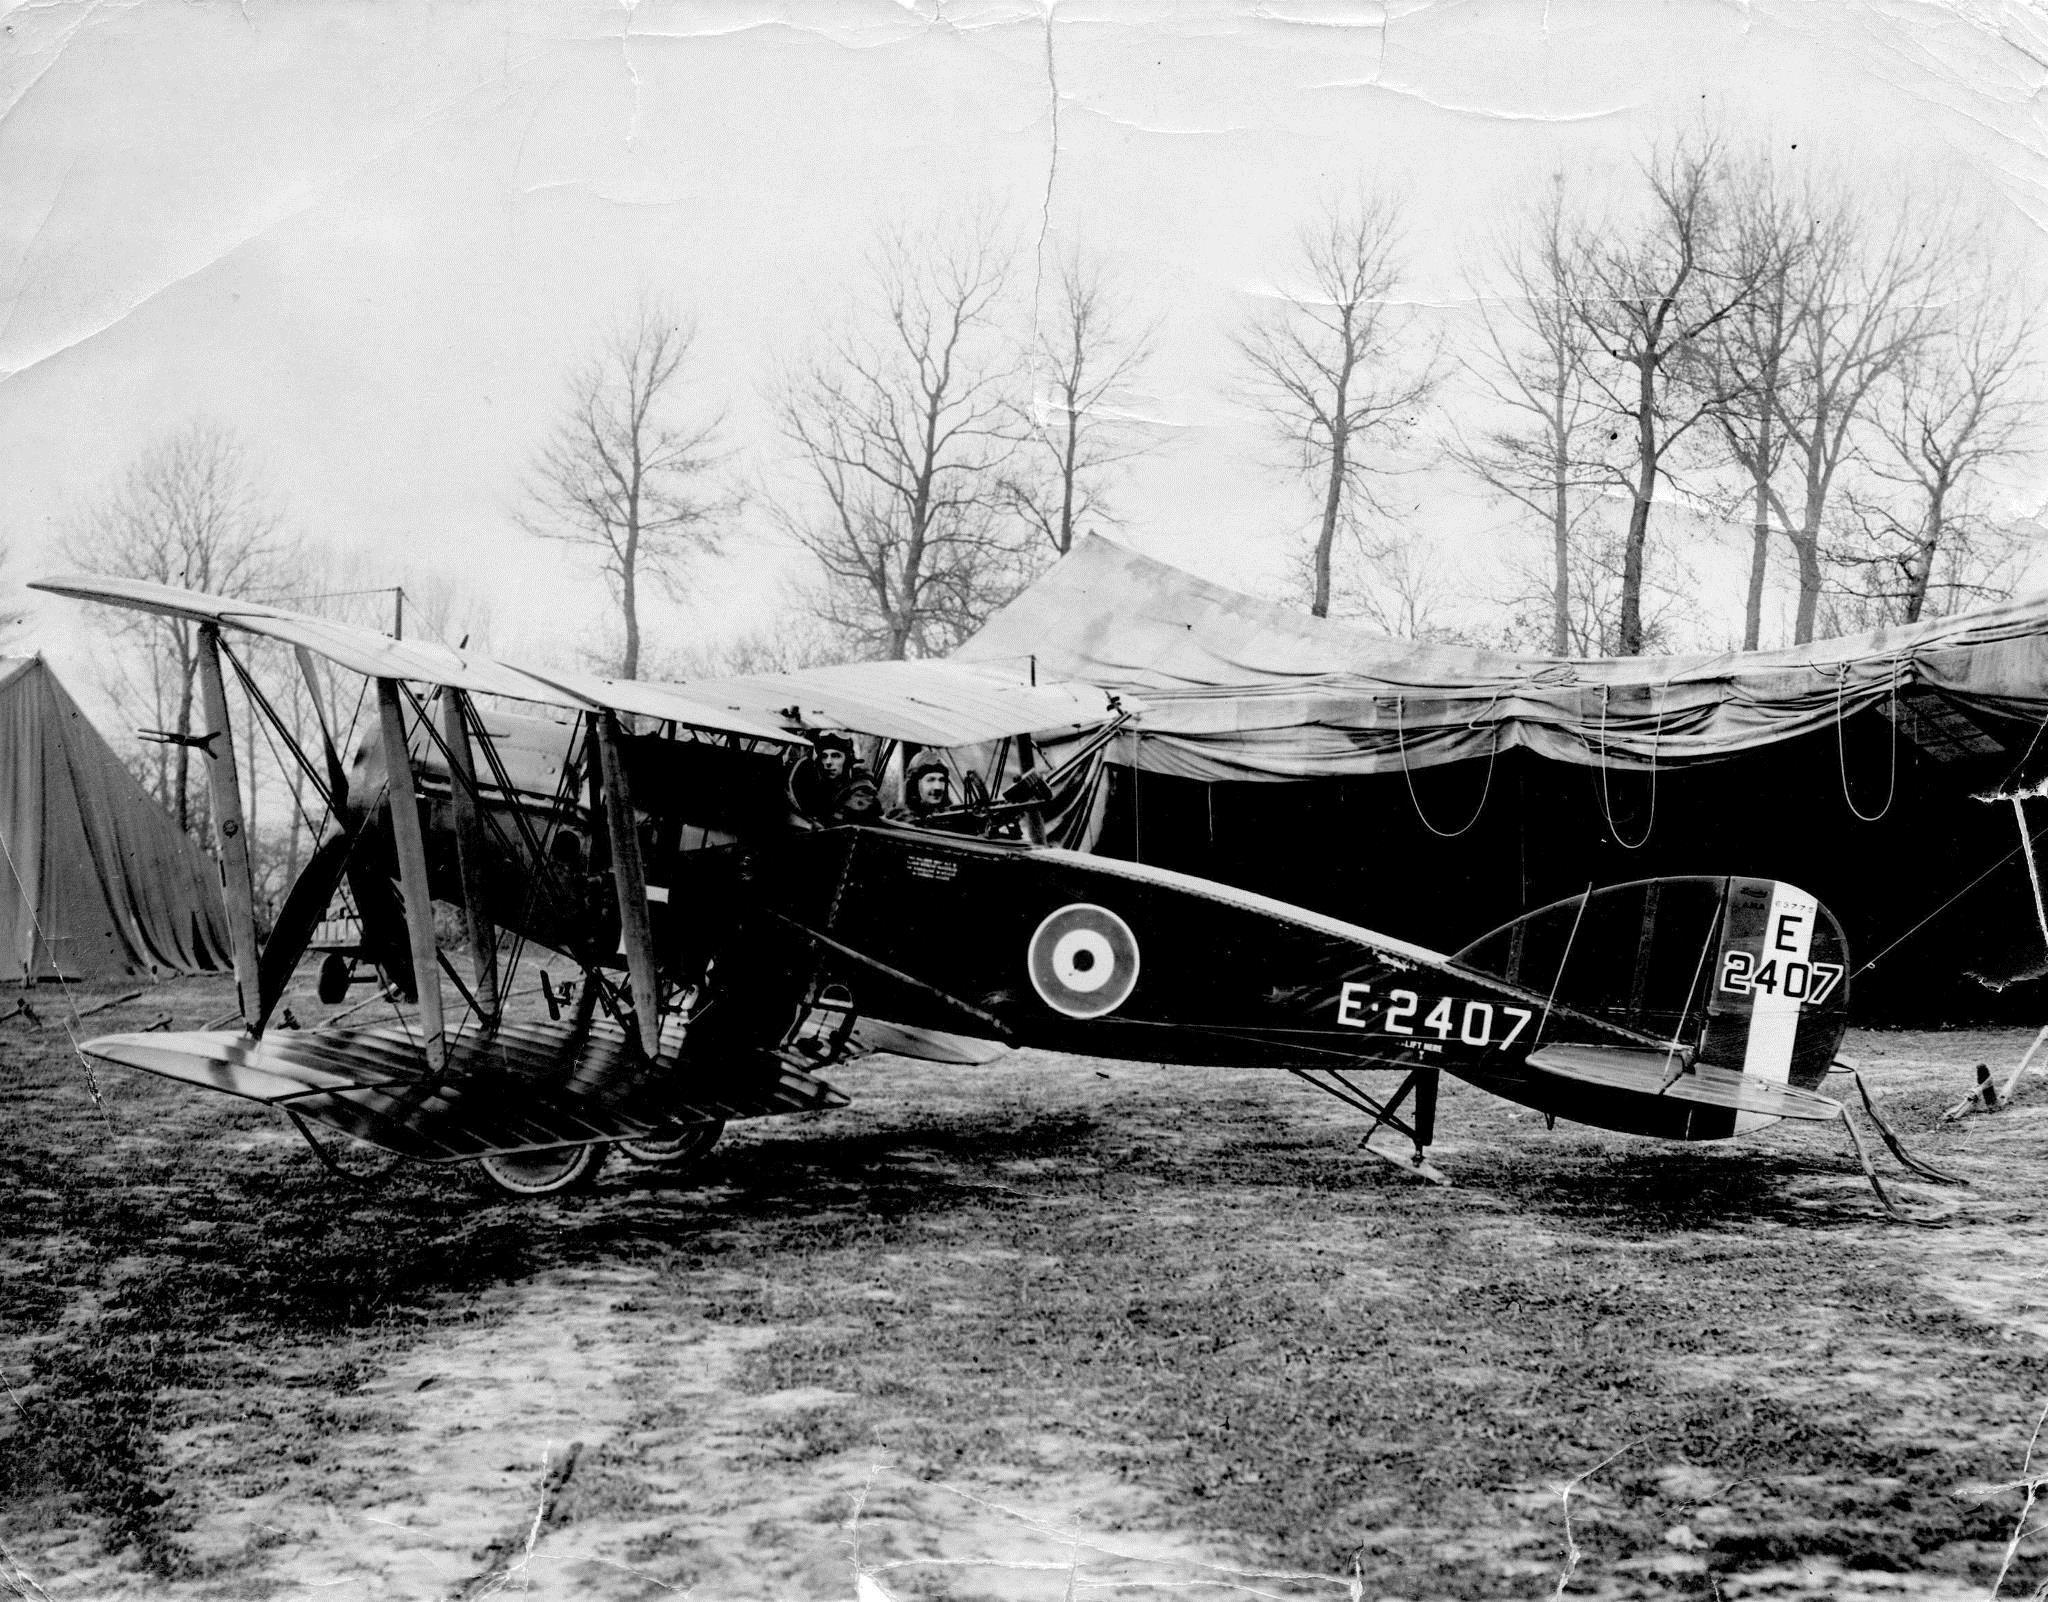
x,y
1707,945
1937,912
270,721
1557,979
544,876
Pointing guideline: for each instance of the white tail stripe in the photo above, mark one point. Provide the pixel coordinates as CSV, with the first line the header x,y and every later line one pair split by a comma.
x,y
1774,1015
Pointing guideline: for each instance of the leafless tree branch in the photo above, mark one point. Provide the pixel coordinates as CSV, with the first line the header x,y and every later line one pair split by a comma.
x,y
1333,365
625,478
906,425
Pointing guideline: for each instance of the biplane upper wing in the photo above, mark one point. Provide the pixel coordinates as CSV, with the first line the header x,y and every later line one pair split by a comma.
x,y
379,656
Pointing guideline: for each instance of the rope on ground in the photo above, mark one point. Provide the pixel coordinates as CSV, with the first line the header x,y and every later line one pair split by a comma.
x,y
1935,1219
1926,1170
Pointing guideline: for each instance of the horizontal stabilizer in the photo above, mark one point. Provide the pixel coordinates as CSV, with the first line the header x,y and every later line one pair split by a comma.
x,y
528,1087
1644,1072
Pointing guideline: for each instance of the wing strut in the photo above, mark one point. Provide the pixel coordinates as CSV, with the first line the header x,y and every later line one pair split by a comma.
x,y
412,871
469,850
629,878
337,776
230,835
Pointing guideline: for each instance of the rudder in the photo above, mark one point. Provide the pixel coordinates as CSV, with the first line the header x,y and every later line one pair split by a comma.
x,y
1745,975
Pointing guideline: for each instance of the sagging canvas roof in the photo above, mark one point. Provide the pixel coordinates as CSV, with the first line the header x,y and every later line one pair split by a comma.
x,y
94,877
1238,688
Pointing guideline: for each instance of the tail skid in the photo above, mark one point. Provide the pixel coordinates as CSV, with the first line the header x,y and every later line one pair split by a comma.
x,y
1624,1069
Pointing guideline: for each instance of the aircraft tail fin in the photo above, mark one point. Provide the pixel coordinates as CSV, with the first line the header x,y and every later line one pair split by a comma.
x,y
1734,975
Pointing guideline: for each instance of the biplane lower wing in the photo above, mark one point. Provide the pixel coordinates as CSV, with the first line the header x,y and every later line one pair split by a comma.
x,y
528,1087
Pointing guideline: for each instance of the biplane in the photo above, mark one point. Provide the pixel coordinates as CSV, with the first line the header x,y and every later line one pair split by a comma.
x,y
730,948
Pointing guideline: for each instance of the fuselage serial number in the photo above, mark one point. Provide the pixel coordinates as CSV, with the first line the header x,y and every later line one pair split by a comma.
x,y
1417,1017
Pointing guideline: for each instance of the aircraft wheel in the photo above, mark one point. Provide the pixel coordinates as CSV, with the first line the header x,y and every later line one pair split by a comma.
x,y
673,1151
542,1173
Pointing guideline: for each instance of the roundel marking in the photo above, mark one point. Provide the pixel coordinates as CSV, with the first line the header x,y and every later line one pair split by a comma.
x,y
1083,961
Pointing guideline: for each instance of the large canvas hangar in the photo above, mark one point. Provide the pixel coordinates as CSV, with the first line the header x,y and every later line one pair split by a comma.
x,y
1437,790
96,878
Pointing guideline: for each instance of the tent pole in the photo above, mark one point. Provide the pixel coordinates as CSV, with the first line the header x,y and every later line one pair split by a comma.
x,y
629,879
2019,812
231,838
1137,810
469,851
412,871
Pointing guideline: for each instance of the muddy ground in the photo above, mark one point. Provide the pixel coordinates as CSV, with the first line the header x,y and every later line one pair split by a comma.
x,y
1040,1329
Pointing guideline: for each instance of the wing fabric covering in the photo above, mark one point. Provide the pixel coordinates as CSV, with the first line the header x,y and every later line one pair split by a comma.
x,y
96,878
1649,1073
930,703
528,1087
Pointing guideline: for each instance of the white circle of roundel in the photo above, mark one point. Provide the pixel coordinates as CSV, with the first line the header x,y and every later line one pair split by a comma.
x,y
1083,961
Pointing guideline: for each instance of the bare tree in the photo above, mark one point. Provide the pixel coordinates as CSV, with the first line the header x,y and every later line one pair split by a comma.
x,y
626,476
1649,298
1552,450
795,640
1331,368
1079,423
1746,359
1958,403
1399,585
904,422
1859,310
188,512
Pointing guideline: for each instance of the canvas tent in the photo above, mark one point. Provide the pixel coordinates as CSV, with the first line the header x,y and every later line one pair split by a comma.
x,y
96,879
1436,790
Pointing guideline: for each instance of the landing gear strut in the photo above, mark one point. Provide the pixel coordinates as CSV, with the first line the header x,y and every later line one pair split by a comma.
x,y
1420,1128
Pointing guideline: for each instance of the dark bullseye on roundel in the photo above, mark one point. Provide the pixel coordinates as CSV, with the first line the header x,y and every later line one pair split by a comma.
x,y
1083,961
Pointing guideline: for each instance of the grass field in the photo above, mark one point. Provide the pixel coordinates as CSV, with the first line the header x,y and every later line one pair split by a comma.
x,y
1035,1329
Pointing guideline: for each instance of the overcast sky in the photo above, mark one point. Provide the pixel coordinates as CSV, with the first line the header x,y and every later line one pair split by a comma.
x,y
371,239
